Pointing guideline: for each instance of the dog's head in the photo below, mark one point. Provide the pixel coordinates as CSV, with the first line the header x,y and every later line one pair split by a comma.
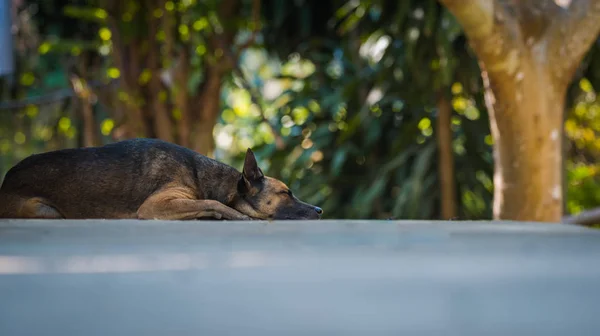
x,y
263,197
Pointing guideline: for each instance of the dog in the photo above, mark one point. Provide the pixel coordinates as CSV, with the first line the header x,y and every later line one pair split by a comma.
x,y
145,179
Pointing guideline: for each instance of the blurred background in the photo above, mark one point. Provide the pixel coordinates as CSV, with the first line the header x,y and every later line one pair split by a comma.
x,y
369,108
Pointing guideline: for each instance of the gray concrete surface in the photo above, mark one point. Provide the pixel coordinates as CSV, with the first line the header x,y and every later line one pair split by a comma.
x,y
298,278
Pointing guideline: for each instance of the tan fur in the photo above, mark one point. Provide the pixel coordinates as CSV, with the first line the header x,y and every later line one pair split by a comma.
x,y
273,196
176,203
37,207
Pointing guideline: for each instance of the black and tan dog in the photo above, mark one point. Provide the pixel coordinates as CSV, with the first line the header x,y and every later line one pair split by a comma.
x,y
145,179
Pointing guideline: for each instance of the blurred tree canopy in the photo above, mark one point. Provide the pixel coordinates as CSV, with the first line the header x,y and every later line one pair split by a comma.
x,y
369,108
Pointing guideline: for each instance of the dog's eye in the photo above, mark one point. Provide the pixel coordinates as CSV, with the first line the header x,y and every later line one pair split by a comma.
x,y
287,192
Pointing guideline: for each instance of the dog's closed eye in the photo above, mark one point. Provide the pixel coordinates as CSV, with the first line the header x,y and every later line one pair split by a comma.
x,y
286,192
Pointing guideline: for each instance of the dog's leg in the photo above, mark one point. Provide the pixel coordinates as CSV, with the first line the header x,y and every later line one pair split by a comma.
x,y
179,204
35,208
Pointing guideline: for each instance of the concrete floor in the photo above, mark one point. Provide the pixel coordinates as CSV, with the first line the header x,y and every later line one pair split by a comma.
x,y
101,277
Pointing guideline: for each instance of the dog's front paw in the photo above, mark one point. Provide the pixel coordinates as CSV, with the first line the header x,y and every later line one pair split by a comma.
x,y
236,216
244,218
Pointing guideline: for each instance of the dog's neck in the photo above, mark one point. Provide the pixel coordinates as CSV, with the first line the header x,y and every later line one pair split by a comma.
x,y
216,180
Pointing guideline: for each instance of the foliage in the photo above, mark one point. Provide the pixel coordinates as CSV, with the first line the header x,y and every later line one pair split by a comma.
x,y
582,129
350,86
359,123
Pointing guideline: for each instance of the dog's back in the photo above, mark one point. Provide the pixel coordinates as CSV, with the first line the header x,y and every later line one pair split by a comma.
x,y
109,181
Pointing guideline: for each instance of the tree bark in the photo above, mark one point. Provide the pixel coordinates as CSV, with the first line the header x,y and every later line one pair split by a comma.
x,y
124,56
182,117
209,95
162,124
205,141
525,89
83,103
181,72
89,124
446,157
182,100
526,125
208,114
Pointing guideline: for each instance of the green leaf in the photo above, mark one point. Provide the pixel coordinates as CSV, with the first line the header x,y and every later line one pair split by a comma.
x,y
398,161
373,192
92,14
420,170
339,157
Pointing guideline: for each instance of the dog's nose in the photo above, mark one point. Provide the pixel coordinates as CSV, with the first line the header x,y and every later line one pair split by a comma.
x,y
318,210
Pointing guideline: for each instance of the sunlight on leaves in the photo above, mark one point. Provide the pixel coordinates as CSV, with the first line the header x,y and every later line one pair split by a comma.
x,y
27,79
471,113
44,48
201,50
104,34
43,132
100,13
300,115
585,85
457,88
5,146
200,24
145,76
20,138
424,123
107,126
31,111
459,104
113,73
64,124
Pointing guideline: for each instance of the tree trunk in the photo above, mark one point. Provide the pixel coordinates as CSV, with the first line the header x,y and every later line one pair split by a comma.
x,y
153,108
210,95
181,100
446,157
89,124
205,141
83,104
526,125
528,53
162,124
91,134
180,71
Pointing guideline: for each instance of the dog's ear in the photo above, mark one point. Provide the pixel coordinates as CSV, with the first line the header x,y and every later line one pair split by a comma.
x,y
251,171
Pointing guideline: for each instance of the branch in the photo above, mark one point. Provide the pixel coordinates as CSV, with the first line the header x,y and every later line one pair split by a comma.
x,y
585,218
536,18
445,156
493,33
574,31
472,14
49,98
